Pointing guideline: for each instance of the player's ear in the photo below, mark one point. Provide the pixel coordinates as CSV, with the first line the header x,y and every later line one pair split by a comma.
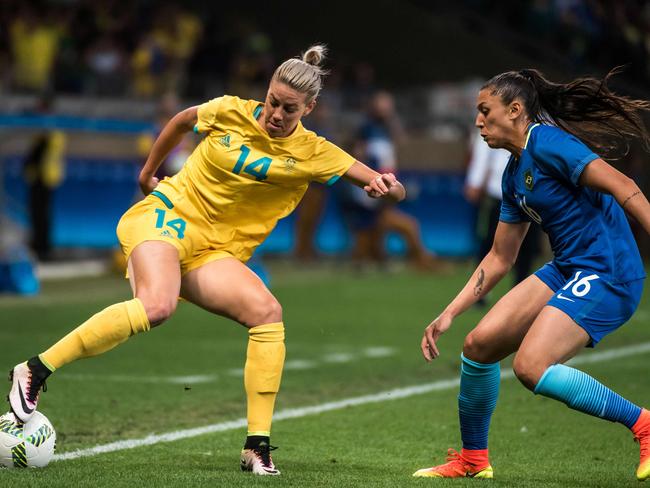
x,y
310,106
515,109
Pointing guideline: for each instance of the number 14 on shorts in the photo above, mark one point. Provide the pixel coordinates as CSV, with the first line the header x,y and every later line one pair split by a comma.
x,y
177,225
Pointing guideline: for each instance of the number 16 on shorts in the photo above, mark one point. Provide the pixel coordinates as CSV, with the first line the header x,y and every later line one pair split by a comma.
x,y
178,225
581,286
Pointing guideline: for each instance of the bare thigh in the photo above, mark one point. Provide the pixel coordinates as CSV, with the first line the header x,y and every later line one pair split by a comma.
x,y
229,288
501,331
553,338
155,277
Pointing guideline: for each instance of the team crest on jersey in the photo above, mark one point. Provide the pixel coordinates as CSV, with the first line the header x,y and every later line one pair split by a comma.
x,y
225,140
290,165
528,180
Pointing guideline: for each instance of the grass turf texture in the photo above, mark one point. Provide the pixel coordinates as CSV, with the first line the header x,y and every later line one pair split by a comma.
x,y
117,396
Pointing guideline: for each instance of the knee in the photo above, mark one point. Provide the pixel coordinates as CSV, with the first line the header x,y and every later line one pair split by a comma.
x,y
528,369
158,309
477,348
261,310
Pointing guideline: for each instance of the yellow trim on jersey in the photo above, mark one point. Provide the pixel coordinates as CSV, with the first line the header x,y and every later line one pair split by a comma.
x,y
528,135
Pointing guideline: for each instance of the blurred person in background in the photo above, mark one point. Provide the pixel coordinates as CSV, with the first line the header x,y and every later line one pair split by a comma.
x,y
44,171
253,61
312,205
148,65
360,87
193,233
34,43
370,220
483,189
160,59
594,283
106,67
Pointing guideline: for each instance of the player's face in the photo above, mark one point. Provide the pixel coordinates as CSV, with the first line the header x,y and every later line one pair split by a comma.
x,y
283,108
494,119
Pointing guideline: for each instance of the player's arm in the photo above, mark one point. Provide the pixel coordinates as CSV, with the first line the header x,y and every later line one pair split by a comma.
x,y
376,185
493,267
603,177
171,135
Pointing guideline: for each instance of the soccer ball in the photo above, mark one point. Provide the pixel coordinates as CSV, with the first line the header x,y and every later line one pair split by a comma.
x,y
26,445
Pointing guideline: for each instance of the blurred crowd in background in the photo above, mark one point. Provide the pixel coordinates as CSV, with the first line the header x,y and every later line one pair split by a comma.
x,y
399,96
146,48
140,49
586,33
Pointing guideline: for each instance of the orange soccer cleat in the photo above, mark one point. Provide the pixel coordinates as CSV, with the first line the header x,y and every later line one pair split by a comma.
x,y
641,430
459,466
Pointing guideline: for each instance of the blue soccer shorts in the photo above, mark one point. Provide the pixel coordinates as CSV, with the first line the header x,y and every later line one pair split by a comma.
x,y
595,304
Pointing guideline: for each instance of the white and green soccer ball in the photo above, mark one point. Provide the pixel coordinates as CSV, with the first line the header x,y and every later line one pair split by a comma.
x,y
26,445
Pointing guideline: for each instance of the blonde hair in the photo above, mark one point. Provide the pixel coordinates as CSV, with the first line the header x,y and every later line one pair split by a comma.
x,y
304,74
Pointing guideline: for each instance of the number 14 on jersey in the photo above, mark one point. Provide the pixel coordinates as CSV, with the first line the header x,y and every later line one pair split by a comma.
x,y
257,168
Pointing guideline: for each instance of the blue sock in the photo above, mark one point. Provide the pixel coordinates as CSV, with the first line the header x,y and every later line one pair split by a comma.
x,y
479,389
581,392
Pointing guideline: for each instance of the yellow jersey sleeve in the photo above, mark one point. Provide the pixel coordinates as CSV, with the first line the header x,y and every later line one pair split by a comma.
x,y
329,162
208,115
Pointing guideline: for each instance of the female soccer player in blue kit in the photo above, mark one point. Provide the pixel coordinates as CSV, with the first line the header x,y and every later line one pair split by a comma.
x,y
591,287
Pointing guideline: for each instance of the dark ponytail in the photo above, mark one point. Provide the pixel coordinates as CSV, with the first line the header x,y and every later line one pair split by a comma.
x,y
584,107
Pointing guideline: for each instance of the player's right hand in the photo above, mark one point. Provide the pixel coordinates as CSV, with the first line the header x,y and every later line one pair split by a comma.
x,y
431,334
147,184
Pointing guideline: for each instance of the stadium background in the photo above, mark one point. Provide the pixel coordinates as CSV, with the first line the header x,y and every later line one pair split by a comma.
x,y
104,67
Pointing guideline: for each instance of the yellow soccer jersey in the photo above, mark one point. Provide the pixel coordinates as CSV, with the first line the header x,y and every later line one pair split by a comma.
x,y
242,181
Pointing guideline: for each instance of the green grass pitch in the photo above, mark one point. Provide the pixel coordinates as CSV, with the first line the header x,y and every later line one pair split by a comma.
x,y
348,336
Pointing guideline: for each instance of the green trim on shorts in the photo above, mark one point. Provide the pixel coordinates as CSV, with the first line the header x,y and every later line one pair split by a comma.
x,y
168,203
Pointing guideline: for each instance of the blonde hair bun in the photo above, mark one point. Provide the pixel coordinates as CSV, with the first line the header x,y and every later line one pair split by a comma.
x,y
315,54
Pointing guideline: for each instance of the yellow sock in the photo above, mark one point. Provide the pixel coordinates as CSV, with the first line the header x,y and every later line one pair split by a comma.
x,y
100,333
262,374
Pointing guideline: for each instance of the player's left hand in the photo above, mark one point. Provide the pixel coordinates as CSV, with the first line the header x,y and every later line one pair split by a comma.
x,y
148,183
380,186
432,333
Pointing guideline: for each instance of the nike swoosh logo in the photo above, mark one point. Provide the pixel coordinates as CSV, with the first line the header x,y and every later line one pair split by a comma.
x,y
26,409
561,297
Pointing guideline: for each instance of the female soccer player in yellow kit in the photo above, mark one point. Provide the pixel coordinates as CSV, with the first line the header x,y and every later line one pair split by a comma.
x,y
192,234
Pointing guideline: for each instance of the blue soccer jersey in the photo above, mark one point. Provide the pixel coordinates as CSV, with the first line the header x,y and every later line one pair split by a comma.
x,y
587,229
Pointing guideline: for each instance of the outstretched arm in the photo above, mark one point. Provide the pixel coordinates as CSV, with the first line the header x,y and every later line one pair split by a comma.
x,y
603,177
493,267
169,138
375,184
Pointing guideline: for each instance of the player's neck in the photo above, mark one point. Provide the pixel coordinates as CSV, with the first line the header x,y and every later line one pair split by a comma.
x,y
517,140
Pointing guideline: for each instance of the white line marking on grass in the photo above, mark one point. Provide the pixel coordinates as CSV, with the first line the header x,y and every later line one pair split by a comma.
x,y
236,372
299,364
338,357
291,365
378,352
293,413
176,380
597,357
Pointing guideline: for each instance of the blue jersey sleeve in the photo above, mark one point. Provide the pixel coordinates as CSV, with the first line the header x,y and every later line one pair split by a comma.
x,y
510,211
562,155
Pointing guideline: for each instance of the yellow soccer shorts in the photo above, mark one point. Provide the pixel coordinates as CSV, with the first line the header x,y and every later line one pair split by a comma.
x,y
156,218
